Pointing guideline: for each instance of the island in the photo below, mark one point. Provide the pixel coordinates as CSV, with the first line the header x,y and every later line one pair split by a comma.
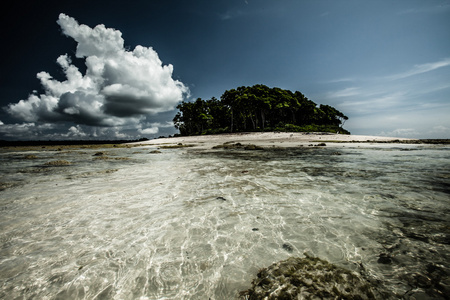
x,y
257,108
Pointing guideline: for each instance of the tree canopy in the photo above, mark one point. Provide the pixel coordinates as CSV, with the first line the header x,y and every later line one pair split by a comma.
x,y
257,108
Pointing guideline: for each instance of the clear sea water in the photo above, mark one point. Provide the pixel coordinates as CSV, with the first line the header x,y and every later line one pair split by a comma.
x,y
189,224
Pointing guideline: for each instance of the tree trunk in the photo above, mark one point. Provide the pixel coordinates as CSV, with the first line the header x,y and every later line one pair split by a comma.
x,y
231,128
263,119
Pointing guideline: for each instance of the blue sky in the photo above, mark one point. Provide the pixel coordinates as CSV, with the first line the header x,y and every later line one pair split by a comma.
x,y
385,64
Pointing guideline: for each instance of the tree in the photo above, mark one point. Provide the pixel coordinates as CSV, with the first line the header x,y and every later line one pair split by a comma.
x,y
257,108
333,116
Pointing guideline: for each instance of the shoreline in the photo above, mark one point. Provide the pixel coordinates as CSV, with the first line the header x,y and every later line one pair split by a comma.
x,y
277,139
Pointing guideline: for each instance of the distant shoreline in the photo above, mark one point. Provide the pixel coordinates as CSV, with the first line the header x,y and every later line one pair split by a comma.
x,y
260,138
38,143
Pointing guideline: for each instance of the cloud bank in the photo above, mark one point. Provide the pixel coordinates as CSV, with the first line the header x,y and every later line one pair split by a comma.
x,y
119,88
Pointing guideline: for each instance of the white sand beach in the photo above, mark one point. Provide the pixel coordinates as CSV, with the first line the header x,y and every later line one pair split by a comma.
x,y
269,139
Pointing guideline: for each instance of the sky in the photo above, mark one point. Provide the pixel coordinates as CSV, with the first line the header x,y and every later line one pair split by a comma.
x,y
117,69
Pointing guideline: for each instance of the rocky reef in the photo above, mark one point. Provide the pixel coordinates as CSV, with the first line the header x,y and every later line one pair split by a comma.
x,y
231,145
309,278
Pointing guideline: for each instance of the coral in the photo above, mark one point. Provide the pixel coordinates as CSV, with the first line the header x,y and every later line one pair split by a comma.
x,y
308,278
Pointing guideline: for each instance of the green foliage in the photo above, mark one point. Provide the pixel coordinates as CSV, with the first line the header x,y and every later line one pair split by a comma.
x,y
257,108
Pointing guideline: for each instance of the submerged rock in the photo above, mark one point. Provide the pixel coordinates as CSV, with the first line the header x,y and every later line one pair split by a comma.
x,y
179,145
253,147
228,146
99,154
384,259
309,278
57,163
5,185
288,247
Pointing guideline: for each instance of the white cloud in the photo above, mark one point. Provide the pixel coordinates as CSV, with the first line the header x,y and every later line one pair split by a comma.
x,y
370,103
401,132
422,68
439,131
441,8
154,127
120,87
99,41
1,123
76,131
346,92
163,125
231,14
49,131
440,128
381,94
151,130
25,130
343,79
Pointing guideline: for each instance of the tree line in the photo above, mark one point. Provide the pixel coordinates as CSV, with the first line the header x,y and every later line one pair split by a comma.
x,y
257,108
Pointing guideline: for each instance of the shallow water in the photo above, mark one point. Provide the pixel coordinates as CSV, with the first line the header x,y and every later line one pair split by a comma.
x,y
187,224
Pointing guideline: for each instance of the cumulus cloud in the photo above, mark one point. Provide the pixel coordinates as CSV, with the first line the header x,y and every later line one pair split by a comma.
x,y
153,128
120,87
76,131
48,131
25,130
150,130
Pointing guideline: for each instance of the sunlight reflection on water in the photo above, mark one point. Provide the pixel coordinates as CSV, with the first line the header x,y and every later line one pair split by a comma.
x,y
186,224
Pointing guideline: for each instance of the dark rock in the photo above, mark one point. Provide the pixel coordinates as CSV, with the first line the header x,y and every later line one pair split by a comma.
x,y
221,198
288,247
253,147
422,281
384,259
417,236
255,229
228,146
